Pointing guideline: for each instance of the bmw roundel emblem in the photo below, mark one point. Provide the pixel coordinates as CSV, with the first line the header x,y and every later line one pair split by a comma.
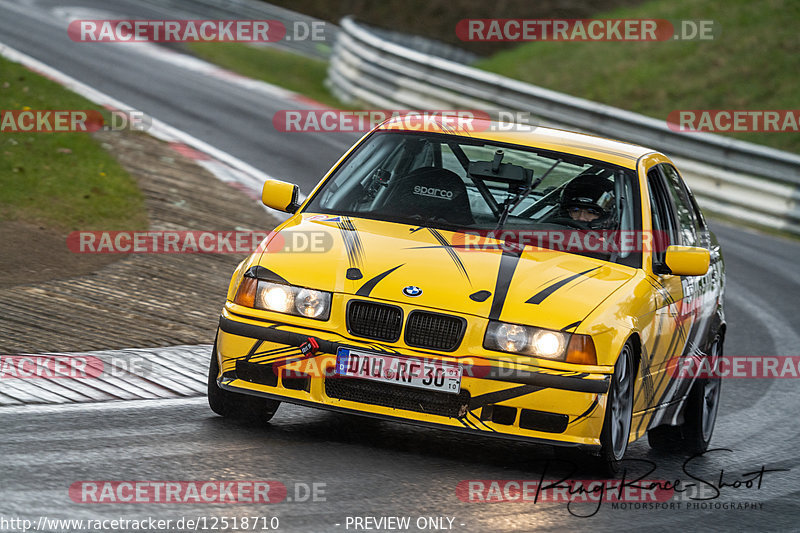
x,y
412,291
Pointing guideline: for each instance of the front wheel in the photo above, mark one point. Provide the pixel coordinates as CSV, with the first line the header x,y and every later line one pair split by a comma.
x,y
619,412
233,405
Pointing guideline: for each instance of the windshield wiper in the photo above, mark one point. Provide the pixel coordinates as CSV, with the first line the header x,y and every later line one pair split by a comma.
x,y
512,203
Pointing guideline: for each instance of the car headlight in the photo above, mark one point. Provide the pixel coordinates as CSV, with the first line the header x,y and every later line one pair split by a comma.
x,y
281,298
527,340
539,342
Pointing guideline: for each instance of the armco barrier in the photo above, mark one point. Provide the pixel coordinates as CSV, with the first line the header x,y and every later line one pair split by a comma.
x,y
742,180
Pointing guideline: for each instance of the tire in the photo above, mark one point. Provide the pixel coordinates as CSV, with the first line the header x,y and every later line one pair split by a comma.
x,y
700,415
234,405
619,412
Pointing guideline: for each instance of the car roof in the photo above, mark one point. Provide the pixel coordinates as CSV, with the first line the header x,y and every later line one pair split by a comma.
x,y
582,144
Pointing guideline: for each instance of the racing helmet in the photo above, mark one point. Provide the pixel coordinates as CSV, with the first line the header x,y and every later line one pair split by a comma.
x,y
592,192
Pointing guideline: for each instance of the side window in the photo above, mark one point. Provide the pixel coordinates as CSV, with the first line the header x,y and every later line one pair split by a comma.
x,y
687,218
664,228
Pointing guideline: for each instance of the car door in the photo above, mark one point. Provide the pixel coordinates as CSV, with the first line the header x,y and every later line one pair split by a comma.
x,y
663,333
681,312
700,293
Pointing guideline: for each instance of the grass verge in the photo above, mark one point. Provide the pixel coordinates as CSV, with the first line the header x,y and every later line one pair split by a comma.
x,y
752,64
62,180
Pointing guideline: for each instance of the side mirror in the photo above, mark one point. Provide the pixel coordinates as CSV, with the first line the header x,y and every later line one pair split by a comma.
x,y
687,260
280,195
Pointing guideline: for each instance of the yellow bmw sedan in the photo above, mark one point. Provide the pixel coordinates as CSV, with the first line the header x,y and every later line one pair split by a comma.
x,y
533,284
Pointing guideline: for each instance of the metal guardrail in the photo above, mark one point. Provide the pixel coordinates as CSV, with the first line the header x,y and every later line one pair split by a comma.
x,y
742,180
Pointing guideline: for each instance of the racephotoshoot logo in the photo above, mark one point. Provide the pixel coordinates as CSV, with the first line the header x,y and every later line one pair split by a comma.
x,y
734,120
586,30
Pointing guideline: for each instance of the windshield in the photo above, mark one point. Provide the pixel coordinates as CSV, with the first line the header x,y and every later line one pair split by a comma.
x,y
465,184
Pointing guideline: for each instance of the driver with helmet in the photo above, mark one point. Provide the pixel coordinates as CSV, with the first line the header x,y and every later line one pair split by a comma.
x,y
588,199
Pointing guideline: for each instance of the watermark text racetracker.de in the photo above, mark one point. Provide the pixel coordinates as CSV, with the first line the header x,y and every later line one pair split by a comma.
x,y
194,242
207,30
304,241
572,241
334,120
194,492
71,366
28,120
734,120
587,30
736,367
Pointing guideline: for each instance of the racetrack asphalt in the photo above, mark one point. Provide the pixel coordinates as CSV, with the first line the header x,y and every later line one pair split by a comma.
x,y
369,468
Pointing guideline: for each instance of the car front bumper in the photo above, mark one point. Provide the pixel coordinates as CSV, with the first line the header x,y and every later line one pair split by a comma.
x,y
498,397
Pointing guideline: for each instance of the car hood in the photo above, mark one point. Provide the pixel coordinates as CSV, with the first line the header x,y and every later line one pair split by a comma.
x,y
378,259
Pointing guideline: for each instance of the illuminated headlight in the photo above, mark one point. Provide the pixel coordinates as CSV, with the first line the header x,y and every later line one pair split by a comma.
x,y
526,340
292,300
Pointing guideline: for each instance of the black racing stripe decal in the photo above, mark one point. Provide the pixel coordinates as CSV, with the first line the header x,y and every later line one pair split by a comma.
x,y
451,252
367,287
278,326
586,412
354,340
276,358
540,296
463,421
584,280
254,356
261,356
382,349
352,242
656,342
256,345
359,246
260,272
468,423
571,326
508,264
481,422
647,377
662,290
664,375
671,347
288,360
502,395
352,259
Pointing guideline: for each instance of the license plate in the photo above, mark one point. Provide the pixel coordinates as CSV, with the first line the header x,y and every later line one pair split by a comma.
x,y
410,372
